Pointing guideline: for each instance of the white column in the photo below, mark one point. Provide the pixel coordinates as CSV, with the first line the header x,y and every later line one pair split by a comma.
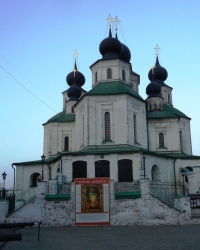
x,y
113,167
90,166
67,168
144,186
41,187
185,205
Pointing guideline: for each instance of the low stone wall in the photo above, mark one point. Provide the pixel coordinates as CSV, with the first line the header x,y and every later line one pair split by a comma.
x,y
3,208
49,213
146,210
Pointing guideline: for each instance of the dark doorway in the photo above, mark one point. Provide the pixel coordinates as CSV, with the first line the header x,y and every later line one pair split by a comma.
x,y
34,179
102,168
125,170
79,169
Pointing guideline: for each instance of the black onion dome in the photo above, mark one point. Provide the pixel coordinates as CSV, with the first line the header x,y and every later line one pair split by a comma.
x,y
110,47
153,89
160,73
125,53
74,92
79,77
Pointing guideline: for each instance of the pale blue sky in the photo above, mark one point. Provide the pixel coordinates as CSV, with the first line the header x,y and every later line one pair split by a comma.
x,y
37,40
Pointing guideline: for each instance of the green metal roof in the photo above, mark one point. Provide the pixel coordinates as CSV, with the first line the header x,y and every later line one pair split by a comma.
x,y
47,161
105,149
168,112
177,155
173,155
109,149
90,150
112,88
62,117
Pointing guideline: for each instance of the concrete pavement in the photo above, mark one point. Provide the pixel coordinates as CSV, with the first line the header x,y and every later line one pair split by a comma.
x,y
115,237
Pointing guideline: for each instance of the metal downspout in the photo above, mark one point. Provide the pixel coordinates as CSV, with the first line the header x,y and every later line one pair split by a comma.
x,y
14,178
147,131
175,178
49,171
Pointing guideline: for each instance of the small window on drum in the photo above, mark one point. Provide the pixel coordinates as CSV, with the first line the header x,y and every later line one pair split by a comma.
x,y
109,73
96,79
169,98
123,75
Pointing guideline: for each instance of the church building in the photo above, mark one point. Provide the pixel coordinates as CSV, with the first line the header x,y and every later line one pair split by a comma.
x,y
111,131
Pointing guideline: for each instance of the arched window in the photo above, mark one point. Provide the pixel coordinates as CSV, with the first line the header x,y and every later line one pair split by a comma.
x,y
134,128
123,75
169,99
66,143
107,126
109,73
34,179
181,140
79,169
96,79
155,173
125,171
102,168
155,106
161,140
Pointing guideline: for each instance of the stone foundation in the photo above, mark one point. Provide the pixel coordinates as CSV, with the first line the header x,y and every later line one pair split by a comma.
x,y
146,210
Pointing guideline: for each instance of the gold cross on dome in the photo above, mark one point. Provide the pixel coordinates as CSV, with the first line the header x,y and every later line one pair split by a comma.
x,y
116,21
75,54
74,71
152,69
157,49
109,19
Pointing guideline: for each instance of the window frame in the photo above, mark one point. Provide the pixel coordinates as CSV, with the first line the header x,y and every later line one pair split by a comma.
x,y
109,73
135,128
66,143
107,127
161,140
125,170
96,77
123,75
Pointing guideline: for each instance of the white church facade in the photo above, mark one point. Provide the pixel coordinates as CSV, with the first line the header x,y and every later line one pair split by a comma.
x,y
111,131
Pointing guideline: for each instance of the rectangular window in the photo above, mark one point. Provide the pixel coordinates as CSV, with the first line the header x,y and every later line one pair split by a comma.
x,y
66,144
123,75
109,73
107,126
96,77
161,140
181,141
195,202
125,170
134,128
